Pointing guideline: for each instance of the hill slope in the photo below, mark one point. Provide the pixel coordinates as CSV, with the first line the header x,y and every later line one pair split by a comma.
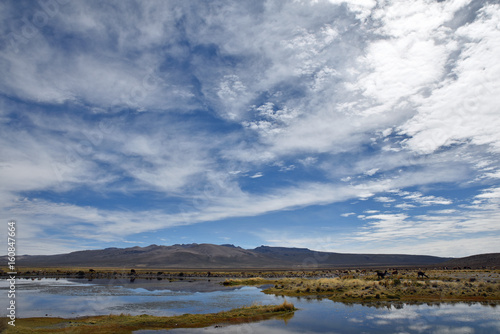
x,y
176,256
208,256
490,260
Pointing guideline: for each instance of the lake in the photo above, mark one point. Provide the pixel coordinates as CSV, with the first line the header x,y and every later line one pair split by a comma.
x,y
74,297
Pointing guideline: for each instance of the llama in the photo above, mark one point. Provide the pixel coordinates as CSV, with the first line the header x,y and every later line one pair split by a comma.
x,y
421,274
381,275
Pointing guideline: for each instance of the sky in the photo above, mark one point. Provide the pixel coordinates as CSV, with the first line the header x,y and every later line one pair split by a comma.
x,y
344,126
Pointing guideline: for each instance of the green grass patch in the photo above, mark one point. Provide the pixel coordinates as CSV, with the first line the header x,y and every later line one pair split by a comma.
x,y
125,324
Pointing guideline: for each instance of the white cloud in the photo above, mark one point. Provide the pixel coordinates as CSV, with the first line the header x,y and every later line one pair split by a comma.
x,y
384,199
96,71
401,68
362,8
372,171
419,18
427,200
405,206
445,227
492,193
308,161
463,107
493,175
411,58
443,212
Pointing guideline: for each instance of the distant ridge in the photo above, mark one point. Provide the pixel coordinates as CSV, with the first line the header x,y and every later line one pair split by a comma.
x,y
490,260
209,256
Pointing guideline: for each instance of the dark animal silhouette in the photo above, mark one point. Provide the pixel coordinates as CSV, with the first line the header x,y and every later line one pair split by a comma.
x,y
381,275
422,274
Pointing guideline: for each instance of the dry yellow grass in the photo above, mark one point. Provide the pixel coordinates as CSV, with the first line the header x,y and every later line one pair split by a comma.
x,y
248,281
472,286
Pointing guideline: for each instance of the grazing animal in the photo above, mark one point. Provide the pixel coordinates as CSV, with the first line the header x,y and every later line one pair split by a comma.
x,y
422,274
395,272
381,275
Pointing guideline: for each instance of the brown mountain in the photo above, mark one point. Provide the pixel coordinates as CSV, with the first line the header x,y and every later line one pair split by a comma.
x,y
209,256
491,260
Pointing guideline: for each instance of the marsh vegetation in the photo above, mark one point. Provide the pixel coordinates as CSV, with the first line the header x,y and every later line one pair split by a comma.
x,y
361,287
435,285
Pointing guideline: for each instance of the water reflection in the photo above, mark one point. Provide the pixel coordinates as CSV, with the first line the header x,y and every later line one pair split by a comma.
x,y
70,298
324,317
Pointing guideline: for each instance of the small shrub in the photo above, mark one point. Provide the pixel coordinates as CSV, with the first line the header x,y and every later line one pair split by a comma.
x,y
286,306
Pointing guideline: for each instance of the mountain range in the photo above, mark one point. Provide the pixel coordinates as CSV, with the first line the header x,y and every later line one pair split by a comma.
x,y
210,256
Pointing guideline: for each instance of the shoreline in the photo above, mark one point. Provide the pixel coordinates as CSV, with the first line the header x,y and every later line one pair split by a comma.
x,y
107,324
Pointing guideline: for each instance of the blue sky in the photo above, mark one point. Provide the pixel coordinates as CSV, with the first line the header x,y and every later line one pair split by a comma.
x,y
346,126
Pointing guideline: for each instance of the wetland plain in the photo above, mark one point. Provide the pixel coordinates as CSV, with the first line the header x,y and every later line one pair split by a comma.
x,y
115,300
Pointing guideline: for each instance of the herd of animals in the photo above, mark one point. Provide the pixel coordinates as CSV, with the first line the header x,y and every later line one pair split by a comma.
x,y
381,275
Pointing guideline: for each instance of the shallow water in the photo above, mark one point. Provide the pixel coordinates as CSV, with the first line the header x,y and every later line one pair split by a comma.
x,y
329,317
72,297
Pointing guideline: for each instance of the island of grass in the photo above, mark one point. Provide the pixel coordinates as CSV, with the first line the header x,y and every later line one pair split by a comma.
x,y
122,324
436,286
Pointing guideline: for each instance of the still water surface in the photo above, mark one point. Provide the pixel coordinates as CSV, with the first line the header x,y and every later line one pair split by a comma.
x,y
71,297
